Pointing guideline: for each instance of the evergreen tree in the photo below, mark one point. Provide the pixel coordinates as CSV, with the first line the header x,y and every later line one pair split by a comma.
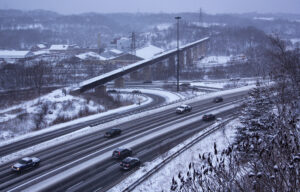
x,y
256,118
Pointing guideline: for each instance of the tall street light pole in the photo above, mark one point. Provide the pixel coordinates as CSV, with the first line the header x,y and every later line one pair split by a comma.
x,y
177,18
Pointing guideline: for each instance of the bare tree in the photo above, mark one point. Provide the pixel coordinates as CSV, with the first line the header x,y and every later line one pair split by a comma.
x,y
266,154
39,76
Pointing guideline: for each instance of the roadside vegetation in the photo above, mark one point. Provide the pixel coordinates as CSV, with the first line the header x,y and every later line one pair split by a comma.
x,y
56,107
266,153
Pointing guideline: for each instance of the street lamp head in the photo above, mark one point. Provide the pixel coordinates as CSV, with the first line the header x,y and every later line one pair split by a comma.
x,y
177,17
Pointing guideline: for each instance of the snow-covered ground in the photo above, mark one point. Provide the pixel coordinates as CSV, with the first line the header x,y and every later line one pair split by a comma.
x,y
161,180
224,83
162,26
140,138
169,96
56,96
87,130
52,108
219,85
212,61
205,24
264,18
295,40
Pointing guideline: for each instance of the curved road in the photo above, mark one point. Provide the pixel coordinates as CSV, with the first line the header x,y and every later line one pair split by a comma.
x,y
25,143
72,153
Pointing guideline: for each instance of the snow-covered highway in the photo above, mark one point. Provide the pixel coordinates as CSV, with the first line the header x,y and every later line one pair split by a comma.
x,y
10,146
73,153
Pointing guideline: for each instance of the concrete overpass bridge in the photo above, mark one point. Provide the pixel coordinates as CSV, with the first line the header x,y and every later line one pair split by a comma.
x,y
188,53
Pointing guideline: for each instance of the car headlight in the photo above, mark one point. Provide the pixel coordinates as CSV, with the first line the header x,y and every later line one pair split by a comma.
x,y
18,168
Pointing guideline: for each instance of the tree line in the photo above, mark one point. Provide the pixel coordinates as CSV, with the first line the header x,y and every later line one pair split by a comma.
x,y
265,155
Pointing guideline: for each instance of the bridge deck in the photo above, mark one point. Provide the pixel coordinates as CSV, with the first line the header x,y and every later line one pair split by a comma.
x,y
104,78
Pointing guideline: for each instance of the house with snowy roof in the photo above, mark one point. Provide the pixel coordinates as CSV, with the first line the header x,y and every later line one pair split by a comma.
x,y
111,54
148,52
126,58
64,50
55,48
39,47
13,55
116,51
90,56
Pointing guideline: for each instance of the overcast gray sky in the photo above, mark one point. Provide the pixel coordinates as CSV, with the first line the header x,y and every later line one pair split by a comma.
x,y
168,6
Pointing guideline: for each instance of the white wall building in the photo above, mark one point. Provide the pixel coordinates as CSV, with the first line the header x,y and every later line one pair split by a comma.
x,y
123,44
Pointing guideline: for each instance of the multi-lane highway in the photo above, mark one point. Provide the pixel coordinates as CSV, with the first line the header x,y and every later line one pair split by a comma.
x,y
64,167
13,147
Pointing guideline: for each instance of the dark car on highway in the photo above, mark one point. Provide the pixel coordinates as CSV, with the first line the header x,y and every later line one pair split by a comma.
x,y
136,92
208,117
121,153
218,99
185,84
25,164
130,163
112,133
111,91
183,108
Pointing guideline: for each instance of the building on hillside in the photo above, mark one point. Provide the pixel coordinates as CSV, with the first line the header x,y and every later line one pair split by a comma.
x,y
58,48
116,52
111,54
90,56
124,44
148,52
238,58
39,47
126,58
65,51
113,43
63,48
11,56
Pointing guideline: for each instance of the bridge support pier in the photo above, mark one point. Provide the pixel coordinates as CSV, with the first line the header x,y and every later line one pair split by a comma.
x,y
182,60
134,75
100,90
119,83
189,61
198,50
195,55
203,49
147,73
172,66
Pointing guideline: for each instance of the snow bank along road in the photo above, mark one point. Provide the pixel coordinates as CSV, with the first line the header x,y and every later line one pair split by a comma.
x,y
39,138
84,163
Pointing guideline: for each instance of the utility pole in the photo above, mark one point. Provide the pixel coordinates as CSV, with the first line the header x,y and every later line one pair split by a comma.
x,y
99,42
133,44
177,18
200,17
